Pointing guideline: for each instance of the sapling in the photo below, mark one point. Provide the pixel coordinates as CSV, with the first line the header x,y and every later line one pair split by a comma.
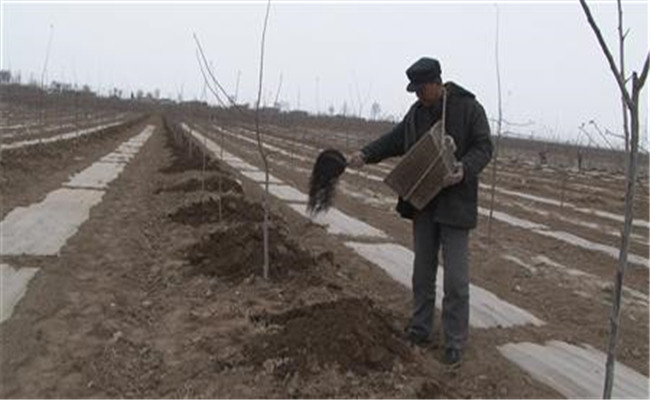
x,y
265,226
495,156
631,109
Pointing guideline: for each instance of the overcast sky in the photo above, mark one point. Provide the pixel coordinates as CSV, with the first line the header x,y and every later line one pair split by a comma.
x,y
330,54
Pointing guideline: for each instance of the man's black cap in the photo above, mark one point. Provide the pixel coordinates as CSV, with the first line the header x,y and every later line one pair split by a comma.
x,y
423,71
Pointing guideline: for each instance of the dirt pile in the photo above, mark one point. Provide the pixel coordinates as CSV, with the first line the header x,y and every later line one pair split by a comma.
x,y
233,208
432,390
351,334
183,160
186,156
211,184
235,252
125,368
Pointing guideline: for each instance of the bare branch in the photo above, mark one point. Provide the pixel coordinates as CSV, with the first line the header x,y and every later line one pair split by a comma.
x,y
626,32
259,90
600,132
584,130
616,135
207,83
277,93
627,79
214,79
644,73
621,55
47,55
621,36
608,54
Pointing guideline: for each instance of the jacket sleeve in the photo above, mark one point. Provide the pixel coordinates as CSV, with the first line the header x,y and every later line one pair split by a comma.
x,y
390,144
479,150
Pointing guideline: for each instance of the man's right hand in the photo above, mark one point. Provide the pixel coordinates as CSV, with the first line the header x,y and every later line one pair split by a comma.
x,y
456,176
356,160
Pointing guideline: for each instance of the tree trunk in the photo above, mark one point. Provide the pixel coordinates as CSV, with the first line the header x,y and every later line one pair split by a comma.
x,y
625,245
498,143
261,149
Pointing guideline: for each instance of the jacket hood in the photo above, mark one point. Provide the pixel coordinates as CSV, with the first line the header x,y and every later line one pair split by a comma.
x,y
457,90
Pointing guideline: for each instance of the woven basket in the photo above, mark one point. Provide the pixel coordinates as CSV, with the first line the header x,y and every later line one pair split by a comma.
x,y
419,176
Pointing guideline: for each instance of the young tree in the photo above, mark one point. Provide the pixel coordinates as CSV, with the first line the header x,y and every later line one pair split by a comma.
x,y
239,108
631,124
499,124
261,147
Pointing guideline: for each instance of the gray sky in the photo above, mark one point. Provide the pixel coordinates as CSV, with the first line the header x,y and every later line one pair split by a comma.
x,y
552,71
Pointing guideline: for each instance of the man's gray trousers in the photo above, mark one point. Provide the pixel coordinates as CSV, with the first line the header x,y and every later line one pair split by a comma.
x,y
429,237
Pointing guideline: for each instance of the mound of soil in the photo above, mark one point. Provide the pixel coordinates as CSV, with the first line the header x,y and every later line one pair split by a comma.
x,y
236,252
233,208
211,184
351,334
182,163
432,390
184,160
126,369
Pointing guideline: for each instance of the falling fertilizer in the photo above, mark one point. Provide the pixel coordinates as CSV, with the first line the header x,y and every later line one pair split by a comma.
x,y
329,166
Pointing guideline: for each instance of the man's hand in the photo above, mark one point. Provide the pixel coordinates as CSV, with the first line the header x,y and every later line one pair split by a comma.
x,y
455,177
355,160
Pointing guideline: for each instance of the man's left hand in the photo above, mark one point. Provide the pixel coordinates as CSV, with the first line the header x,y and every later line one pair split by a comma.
x,y
455,177
356,160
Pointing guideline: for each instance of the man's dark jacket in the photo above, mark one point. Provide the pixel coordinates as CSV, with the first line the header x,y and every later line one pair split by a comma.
x,y
467,124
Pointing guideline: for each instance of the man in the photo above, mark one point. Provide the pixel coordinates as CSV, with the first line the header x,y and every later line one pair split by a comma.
x,y
444,222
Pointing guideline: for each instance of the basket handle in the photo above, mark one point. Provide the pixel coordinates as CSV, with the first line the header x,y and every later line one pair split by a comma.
x,y
444,109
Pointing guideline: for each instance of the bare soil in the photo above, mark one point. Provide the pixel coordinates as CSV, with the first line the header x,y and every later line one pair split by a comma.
x,y
233,253
349,334
233,208
211,183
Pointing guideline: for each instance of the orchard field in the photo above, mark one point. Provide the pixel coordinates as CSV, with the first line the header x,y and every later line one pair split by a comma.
x,y
132,263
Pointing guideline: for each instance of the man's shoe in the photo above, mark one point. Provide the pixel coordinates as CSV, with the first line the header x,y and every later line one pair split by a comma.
x,y
452,357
